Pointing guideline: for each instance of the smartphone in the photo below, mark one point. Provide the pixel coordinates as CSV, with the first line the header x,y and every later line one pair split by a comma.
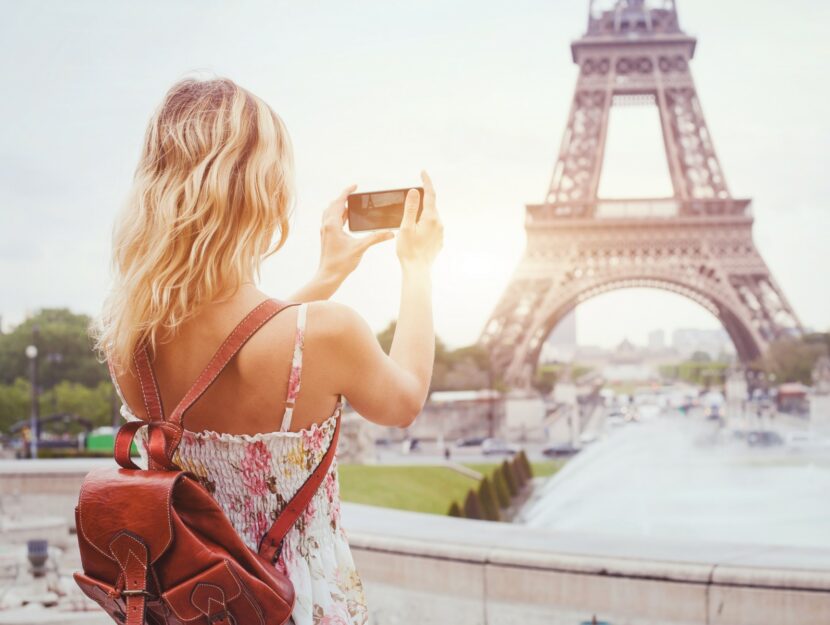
x,y
380,210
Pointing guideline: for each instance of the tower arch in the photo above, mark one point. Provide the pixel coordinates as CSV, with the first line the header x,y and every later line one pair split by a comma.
x,y
697,242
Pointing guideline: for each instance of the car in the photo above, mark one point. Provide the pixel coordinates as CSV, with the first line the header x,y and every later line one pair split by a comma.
x,y
615,419
586,438
409,445
764,438
713,412
469,441
560,450
493,446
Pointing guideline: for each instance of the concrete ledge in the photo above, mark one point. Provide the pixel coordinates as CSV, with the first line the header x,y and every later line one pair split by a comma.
x,y
530,575
423,568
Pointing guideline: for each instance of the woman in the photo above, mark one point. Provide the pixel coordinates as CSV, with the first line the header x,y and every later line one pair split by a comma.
x,y
212,190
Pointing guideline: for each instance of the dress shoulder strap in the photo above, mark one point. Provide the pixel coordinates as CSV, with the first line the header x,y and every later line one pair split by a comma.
x,y
296,367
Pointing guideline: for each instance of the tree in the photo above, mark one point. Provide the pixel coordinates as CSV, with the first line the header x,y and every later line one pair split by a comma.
x,y
701,356
518,471
472,505
793,359
504,468
15,403
387,335
501,489
522,456
455,510
544,380
489,503
459,369
64,346
94,404
697,372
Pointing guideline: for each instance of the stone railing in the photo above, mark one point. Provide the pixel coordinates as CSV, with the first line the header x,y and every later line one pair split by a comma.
x,y
423,568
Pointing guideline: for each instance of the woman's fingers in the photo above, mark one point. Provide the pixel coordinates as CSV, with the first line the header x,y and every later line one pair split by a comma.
x,y
410,208
337,210
376,237
429,195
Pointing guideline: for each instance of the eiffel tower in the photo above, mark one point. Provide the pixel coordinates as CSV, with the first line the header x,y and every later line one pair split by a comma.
x,y
697,242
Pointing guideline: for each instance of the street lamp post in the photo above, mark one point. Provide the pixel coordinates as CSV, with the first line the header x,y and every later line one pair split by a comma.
x,y
31,354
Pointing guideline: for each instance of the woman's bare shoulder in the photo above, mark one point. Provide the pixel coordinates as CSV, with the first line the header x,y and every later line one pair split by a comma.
x,y
333,319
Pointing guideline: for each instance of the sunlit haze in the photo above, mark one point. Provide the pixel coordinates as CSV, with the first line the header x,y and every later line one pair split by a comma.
x,y
372,92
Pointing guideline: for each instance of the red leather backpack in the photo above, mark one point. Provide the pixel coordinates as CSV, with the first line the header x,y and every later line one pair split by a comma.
x,y
156,547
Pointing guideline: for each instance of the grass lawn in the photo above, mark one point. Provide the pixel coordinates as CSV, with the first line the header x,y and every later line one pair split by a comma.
x,y
540,469
421,488
411,487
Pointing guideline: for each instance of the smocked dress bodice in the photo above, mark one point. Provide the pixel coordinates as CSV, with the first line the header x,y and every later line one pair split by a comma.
x,y
252,477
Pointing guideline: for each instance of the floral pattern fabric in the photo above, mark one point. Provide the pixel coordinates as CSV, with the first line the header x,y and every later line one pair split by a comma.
x,y
252,477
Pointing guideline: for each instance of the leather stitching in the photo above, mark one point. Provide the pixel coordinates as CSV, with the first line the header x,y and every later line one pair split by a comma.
x,y
254,604
81,526
129,551
109,556
141,386
258,609
155,386
217,358
166,595
211,600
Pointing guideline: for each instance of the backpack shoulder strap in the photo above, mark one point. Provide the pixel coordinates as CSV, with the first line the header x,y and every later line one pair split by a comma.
x,y
270,545
244,330
166,433
147,382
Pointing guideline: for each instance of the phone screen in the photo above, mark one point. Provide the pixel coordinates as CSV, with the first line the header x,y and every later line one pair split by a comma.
x,y
379,210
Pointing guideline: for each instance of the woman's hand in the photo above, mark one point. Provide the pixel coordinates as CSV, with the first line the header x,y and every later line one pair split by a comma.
x,y
419,242
340,253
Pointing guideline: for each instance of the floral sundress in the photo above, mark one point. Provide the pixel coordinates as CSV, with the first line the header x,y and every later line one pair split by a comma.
x,y
252,477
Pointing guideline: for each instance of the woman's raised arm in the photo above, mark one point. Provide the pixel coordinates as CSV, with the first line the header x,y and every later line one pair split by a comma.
x,y
340,253
391,389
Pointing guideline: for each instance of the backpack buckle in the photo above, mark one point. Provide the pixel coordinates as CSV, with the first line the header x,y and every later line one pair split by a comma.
x,y
138,592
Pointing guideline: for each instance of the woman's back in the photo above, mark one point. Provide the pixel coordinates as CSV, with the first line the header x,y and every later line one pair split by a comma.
x,y
210,201
253,476
249,396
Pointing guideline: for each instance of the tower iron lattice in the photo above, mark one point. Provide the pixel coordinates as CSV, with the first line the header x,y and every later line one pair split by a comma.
x,y
697,243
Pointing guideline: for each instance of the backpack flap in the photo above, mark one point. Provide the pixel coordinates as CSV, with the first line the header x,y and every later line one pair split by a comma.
x,y
113,500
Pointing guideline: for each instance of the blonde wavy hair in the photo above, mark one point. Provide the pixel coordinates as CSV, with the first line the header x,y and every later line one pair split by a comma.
x,y
213,185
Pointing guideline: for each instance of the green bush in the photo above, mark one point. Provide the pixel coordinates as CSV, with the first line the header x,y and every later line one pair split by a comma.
x,y
455,510
489,502
472,505
509,478
518,463
519,469
500,486
518,472
526,463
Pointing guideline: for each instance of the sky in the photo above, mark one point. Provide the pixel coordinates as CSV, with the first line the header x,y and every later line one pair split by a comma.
x,y
476,93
